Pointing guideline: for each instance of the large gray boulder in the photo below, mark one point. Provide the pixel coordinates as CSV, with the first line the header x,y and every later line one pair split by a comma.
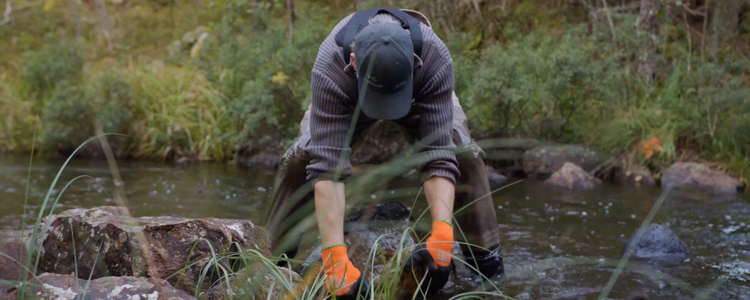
x,y
109,243
571,176
541,162
700,176
658,243
67,287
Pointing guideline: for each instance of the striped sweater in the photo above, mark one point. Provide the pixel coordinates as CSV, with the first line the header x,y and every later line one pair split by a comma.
x,y
334,98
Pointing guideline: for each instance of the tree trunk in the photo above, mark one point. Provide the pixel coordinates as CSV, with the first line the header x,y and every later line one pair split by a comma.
x,y
649,30
292,18
725,20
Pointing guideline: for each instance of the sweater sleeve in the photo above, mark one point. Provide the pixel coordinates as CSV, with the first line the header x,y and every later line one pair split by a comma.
x,y
330,119
436,126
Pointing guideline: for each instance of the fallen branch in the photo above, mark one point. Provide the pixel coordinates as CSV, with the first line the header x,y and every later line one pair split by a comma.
x,y
609,19
6,15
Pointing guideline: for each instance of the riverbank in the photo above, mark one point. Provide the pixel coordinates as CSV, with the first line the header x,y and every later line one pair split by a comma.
x,y
194,81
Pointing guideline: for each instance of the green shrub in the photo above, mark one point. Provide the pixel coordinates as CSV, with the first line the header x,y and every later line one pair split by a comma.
x,y
67,119
53,64
71,114
18,121
541,86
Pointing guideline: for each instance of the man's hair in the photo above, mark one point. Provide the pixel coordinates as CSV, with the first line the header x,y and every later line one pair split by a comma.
x,y
381,18
384,18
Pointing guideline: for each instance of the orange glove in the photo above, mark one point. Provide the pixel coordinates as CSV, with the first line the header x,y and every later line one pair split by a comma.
x,y
340,272
440,243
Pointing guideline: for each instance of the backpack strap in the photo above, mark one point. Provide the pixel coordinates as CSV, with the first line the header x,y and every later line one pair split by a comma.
x,y
360,19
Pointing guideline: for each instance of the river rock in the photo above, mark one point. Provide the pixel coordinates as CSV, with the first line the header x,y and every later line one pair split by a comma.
x,y
68,287
638,175
658,243
13,254
541,162
109,243
572,176
257,282
376,232
700,176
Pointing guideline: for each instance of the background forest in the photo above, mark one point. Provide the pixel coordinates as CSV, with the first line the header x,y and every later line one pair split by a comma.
x,y
646,81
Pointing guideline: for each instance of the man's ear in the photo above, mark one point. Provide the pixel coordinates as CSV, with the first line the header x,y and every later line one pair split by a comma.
x,y
352,61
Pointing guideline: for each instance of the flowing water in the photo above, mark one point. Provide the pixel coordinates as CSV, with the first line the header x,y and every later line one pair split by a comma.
x,y
557,244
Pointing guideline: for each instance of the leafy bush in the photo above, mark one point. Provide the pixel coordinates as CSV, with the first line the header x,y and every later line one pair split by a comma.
x,y
53,64
70,116
541,86
66,119
18,121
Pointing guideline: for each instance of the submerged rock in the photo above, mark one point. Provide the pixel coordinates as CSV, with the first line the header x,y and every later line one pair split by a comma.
x,y
700,176
572,176
541,162
257,282
13,254
67,287
108,243
658,243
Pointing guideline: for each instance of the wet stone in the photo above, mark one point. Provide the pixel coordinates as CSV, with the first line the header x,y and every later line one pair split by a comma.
x,y
571,176
700,176
108,243
376,232
658,243
541,162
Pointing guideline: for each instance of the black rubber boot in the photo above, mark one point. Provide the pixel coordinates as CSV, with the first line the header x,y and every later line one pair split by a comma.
x,y
489,263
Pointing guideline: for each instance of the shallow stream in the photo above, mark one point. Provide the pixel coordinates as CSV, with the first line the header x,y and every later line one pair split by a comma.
x,y
557,244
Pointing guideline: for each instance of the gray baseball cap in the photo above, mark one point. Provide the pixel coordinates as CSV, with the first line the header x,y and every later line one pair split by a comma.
x,y
384,56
